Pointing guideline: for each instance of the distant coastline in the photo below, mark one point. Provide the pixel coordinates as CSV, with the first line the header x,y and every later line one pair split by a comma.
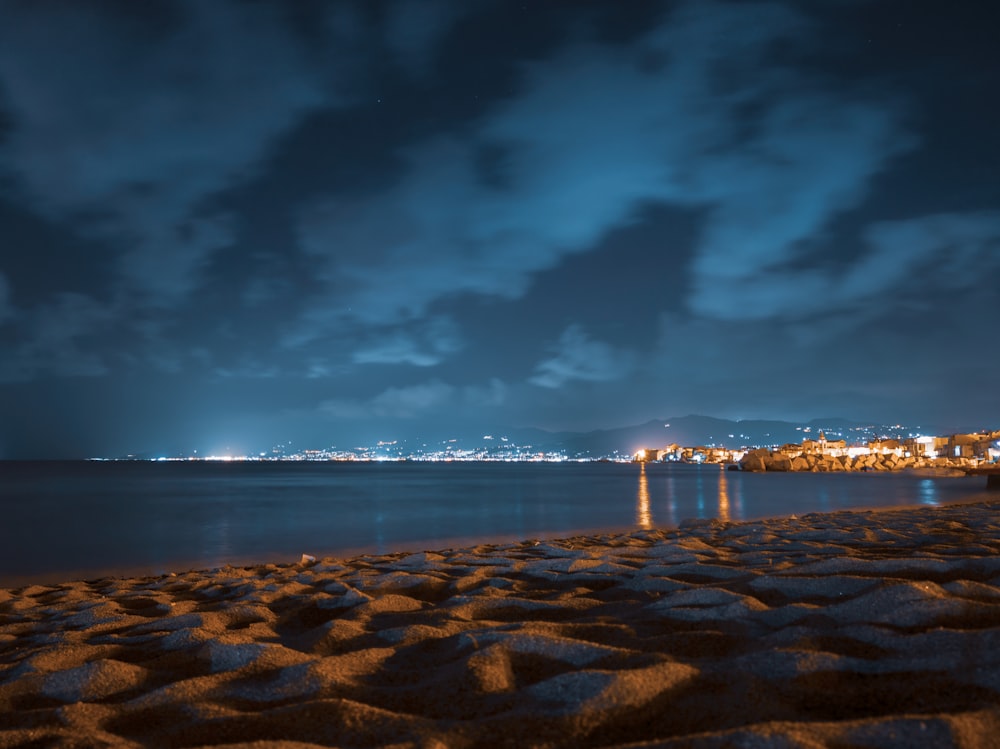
x,y
689,438
953,454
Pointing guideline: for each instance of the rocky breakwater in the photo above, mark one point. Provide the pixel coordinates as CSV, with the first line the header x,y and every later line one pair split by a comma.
x,y
762,459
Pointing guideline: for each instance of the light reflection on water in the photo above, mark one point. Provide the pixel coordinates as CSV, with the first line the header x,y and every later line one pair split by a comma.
x,y
723,496
216,543
643,515
97,515
737,500
671,500
824,499
928,492
643,511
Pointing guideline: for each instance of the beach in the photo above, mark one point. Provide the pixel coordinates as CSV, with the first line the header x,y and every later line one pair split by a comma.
x,y
845,629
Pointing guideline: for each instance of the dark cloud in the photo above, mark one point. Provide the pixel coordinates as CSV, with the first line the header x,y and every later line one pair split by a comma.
x,y
593,135
576,356
426,346
60,339
6,311
419,401
415,28
352,216
135,122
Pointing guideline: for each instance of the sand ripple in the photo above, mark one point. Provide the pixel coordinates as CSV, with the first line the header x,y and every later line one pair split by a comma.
x,y
852,629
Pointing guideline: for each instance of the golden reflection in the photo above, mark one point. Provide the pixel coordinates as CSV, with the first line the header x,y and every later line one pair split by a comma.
x,y
643,516
723,497
671,501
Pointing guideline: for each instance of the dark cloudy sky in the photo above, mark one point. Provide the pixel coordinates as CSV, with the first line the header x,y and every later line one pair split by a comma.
x,y
232,224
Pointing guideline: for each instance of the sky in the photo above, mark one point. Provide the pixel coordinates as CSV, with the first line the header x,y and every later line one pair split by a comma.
x,y
227,225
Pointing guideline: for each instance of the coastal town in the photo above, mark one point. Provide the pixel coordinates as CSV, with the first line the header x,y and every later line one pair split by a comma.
x,y
853,449
955,452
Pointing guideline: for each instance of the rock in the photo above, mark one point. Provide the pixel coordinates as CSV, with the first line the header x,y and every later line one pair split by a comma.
x,y
754,461
778,462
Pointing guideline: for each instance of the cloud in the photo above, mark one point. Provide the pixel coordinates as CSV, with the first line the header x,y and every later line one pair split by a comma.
x,y
708,111
813,159
424,347
413,400
944,250
904,259
578,357
6,308
414,27
491,395
60,341
909,353
408,402
398,348
431,398
596,135
435,234
128,123
699,113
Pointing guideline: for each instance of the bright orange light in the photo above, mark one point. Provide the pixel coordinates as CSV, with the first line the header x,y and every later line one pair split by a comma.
x,y
723,498
643,515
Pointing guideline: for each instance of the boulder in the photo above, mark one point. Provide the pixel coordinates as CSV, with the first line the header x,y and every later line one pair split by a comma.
x,y
778,462
754,461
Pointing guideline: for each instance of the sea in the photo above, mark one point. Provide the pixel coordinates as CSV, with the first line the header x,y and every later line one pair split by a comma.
x,y
81,520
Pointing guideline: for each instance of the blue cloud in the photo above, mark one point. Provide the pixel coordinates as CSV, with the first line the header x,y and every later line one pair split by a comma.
x,y
943,251
576,356
6,307
433,398
914,257
414,28
129,124
60,340
423,347
766,151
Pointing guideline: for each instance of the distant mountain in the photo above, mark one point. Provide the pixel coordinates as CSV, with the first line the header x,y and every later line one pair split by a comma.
x,y
696,430
687,431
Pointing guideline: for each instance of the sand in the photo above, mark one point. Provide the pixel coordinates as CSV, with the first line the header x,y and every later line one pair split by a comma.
x,y
850,629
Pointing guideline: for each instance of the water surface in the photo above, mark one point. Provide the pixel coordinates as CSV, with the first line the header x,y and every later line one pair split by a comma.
x,y
62,519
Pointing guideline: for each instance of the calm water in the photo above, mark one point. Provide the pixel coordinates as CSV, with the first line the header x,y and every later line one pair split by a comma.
x,y
66,519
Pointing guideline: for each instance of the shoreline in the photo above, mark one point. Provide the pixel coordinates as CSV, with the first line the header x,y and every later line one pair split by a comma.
x,y
977,491
871,628
461,544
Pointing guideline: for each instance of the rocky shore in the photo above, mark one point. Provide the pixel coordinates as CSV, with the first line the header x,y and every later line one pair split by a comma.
x,y
766,460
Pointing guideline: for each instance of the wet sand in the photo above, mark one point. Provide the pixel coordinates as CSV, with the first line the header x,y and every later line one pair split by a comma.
x,y
849,629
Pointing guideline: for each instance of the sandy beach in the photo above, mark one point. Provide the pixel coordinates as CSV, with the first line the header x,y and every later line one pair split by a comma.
x,y
850,629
